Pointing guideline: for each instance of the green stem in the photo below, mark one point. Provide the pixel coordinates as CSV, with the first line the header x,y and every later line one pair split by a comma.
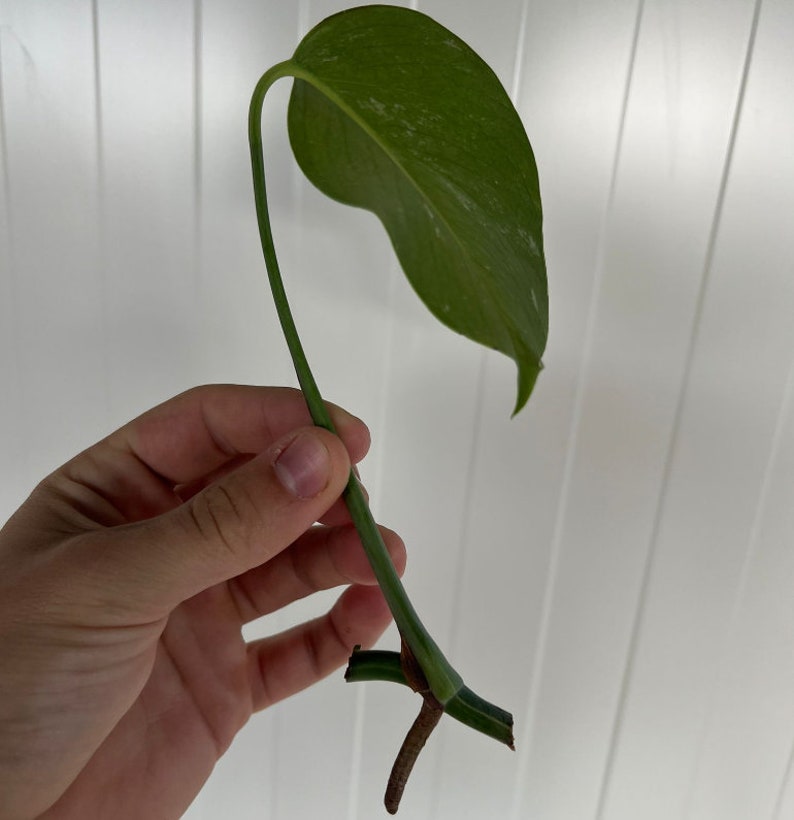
x,y
444,680
445,683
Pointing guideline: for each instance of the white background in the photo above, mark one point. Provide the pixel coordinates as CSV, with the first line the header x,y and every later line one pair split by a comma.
x,y
615,565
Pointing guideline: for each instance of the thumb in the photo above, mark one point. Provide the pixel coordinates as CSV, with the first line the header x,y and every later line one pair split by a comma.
x,y
238,522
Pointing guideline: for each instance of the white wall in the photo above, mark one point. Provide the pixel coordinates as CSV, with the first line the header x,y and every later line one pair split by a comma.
x,y
615,564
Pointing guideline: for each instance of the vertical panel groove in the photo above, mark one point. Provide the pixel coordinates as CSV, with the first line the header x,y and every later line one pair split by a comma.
x,y
198,113
5,168
538,663
459,574
99,193
650,560
521,40
101,244
781,793
354,783
303,18
8,252
98,118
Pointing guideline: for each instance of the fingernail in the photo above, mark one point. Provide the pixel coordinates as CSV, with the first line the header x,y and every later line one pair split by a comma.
x,y
303,467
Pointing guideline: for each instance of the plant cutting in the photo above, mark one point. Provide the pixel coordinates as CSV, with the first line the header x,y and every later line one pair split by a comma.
x,y
391,112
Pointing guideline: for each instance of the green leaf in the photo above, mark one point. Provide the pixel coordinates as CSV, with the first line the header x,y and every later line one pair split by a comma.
x,y
392,112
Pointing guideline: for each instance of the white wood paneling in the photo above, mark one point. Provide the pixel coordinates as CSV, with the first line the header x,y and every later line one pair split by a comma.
x,y
613,564
147,184
50,191
720,456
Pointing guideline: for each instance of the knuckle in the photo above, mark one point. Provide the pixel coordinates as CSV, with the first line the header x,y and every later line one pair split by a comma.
x,y
219,519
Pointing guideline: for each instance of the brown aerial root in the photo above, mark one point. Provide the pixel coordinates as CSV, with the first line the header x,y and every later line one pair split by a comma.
x,y
427,720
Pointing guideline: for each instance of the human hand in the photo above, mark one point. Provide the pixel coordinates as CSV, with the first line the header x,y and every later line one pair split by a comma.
x,y
125,580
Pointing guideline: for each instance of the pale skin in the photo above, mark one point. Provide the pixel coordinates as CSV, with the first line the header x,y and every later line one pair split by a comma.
x,y
125,580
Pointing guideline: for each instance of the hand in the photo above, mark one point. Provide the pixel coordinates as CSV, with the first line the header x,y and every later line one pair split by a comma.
x,y
125,580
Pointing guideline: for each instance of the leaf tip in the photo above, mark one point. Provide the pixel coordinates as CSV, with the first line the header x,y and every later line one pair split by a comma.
x,y
527,376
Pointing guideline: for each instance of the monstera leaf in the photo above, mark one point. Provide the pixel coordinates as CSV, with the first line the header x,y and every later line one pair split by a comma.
x,y
392,112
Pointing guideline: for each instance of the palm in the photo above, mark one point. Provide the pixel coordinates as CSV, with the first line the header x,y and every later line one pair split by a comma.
x,y
196,698
194,682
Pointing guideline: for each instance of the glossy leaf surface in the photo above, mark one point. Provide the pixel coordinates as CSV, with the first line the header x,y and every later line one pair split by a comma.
x,y
392,112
